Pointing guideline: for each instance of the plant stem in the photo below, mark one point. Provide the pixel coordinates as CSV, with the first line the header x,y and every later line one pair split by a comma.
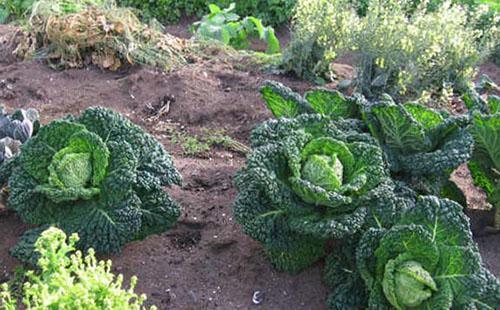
x,y
274,212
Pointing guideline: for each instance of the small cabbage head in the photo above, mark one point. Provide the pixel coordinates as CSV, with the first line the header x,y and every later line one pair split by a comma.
x,y
77,170
327,172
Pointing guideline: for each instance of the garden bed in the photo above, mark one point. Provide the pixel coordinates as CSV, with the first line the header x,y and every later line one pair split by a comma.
x,y
206,262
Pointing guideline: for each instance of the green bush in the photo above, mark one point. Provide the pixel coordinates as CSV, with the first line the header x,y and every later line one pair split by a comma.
x,y
273,12
322,30
13,9
403,54
227,27
67,280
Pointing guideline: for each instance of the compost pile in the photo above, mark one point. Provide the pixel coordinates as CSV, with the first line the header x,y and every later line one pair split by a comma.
x,y
75,33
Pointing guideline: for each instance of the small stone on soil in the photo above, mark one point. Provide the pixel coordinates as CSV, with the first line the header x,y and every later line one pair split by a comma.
x,y
258,297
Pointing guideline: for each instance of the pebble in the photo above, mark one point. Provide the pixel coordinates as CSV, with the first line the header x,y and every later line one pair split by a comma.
x,y
258,297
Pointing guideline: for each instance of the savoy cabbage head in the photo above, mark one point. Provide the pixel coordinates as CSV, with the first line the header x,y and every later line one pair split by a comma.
x,y
309,180
428,260
98,175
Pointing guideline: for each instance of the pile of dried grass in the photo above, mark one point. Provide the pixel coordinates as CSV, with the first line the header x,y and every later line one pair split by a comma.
x,y
75,33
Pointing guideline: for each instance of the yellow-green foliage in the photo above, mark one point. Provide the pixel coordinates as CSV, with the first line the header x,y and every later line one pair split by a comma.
x,y
71,281
322,29
399,51
406,56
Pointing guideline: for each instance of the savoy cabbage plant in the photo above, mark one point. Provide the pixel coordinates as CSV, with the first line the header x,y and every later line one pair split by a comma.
x,y
427,260
309,180
98,175
66,279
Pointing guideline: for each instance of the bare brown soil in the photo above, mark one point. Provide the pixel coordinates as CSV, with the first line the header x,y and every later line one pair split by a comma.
x,y
206,262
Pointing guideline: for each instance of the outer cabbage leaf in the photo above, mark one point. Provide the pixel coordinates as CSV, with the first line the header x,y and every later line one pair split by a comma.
x,y
426,261
485,163
332,103
307,181
97,175
283,102
421,145
348,290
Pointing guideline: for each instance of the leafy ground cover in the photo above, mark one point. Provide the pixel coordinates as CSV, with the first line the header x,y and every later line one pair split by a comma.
x,y
206,262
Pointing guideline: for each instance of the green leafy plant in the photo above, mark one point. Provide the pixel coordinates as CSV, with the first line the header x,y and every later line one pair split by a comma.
x,y
309,180
274,12
13,9
428,260
407,54
68,280
98,175
284,102
423,146
225,26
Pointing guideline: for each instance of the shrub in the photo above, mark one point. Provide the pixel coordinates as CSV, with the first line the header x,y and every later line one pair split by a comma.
x,y
400,53
406,56
13,9
273,12
67,280
321,31
309,180
97,175
225,26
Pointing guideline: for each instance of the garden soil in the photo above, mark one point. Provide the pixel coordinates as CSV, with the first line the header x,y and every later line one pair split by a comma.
x,y
206,261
